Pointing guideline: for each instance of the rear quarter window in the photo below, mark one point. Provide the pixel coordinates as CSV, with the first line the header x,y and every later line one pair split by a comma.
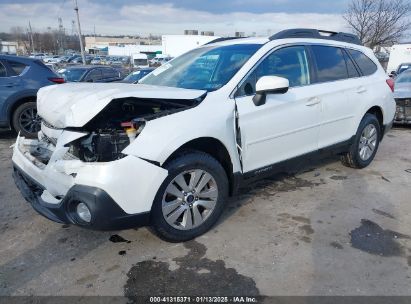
x,y
17,67
366,65
331,65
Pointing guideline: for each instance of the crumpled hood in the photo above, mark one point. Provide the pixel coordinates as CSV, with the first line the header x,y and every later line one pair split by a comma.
x,y
75,104
402,90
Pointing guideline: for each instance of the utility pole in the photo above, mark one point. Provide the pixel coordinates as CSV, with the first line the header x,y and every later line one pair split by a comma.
x,y
79,32
61,36
31,38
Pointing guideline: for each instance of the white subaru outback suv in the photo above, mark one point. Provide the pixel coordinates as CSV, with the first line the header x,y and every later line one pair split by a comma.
x,y
169,151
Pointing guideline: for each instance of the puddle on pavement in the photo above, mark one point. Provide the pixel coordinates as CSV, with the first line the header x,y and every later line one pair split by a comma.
x,y
115,238
195,275
289,222
336,245
373,239
279,183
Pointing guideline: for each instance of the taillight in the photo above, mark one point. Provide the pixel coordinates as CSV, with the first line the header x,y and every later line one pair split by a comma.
x,y
391,84
56,79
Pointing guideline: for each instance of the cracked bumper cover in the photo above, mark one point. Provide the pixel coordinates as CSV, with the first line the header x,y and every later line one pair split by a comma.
x,y
119,194
106,213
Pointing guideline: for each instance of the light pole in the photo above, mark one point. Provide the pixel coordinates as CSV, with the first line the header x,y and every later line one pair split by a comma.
x,y
79,33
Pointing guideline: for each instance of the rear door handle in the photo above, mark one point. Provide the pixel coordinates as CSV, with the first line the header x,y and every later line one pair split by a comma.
x,y
361,90
313,101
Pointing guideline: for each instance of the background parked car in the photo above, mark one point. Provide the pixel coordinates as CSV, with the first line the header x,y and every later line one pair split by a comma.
x,y
90,74
401,68
96,60
135,76
72,58
20,79
53,66
402,94
79,60
38,55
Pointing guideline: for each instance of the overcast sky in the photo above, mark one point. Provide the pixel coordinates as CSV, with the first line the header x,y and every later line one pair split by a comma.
x,y
129,17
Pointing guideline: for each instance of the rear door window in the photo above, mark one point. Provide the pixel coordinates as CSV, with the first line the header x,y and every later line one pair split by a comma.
x,y
17,67
109,73
94,75
3,71
330,62
366,65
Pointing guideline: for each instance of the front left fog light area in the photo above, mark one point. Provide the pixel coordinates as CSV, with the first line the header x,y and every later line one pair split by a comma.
x,y
83,212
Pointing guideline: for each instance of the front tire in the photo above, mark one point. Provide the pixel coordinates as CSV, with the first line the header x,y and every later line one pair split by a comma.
x,y
25,120
365,145
191,198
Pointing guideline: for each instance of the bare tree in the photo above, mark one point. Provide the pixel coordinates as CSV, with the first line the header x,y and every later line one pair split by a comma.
x,y
18,34
379,22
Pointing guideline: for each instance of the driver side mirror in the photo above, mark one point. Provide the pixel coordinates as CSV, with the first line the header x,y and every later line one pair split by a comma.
x,y
269,85
393,74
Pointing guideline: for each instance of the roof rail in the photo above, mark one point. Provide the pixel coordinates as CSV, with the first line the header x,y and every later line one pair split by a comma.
x,y
223,39
317,34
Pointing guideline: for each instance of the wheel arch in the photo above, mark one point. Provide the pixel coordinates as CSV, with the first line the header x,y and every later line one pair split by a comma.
x,y
15,104
377,112
213,147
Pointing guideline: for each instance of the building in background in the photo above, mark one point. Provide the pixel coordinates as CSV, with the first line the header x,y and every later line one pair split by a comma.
x,y
190,32
100,44
9,47
207,33
130,50
171,45
175,45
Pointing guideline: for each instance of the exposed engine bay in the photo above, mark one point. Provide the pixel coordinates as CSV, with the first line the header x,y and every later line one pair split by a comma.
x,y
117,126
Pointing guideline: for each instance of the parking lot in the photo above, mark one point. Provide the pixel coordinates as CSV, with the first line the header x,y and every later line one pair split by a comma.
x,y
327,230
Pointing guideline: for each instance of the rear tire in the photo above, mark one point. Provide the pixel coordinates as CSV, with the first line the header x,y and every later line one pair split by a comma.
x,y
366,142
181,213
25,120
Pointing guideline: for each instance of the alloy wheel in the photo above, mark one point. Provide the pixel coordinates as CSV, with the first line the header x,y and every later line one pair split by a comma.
x,y
368,142
189,199
29,121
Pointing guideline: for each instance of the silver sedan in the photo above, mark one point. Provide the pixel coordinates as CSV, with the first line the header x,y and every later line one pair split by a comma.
x,y
402,95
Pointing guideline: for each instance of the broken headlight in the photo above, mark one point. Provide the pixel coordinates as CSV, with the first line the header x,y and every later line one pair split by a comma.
x,y
100,147
106,145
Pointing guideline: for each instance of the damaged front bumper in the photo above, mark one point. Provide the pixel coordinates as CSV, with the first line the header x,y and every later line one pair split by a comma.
x,y
403,111
119,194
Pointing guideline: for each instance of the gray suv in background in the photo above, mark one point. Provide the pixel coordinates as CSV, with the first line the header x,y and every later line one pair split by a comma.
x,y
20,79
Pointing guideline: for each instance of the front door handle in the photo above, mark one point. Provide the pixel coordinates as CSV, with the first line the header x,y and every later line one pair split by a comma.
x,y
313,101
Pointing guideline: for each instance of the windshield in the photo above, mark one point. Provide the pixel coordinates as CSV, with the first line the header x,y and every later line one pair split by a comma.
x,y
207,68
72,75
404,78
